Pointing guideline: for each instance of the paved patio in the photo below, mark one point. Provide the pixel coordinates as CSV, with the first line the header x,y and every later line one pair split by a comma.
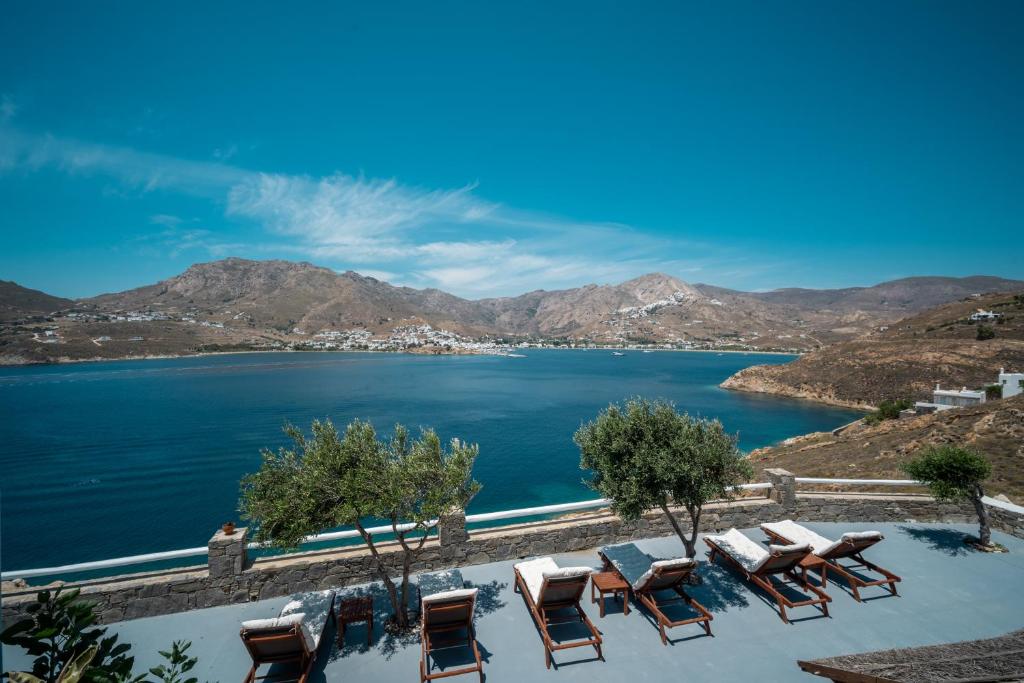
x,y
948,593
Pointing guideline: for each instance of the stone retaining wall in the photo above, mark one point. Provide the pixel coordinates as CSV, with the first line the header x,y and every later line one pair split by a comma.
x,y
230,577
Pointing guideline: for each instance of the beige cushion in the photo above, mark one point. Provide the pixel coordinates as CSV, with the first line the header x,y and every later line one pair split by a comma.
x,y
535,571
663,564
448,596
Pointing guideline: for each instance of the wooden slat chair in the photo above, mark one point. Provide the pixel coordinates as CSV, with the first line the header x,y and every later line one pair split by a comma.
x,y
647,577
445,614
849,546
293,636
761,567
549,591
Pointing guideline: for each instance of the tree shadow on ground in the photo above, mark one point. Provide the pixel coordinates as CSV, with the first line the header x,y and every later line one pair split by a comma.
x,y
947,541
720,589
488,600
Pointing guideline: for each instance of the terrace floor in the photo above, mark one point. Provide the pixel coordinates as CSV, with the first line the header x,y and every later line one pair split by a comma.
x,y
949,593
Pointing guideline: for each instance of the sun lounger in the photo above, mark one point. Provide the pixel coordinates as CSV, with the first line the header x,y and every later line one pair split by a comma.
x,y
448,613
549,592
761,567
293,636
850,545
647,577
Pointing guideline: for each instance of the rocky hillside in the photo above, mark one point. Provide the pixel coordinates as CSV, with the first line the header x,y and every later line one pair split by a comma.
x,y
902,360
240,303
18,302
996,429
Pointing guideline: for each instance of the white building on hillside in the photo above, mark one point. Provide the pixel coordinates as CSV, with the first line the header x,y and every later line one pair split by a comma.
x,y
1011,382
983,316
945,399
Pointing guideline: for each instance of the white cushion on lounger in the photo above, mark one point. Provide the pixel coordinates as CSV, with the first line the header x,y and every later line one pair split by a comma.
x,y
796,533
535,571
447,596
286,621
532,572
791,548
663,564
749,554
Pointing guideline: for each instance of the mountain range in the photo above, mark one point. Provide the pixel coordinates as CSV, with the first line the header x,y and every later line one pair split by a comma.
x,y
240,303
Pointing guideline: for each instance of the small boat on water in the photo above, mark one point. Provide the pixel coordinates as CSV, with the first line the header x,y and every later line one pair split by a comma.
x,y
618,353
648,351
516,355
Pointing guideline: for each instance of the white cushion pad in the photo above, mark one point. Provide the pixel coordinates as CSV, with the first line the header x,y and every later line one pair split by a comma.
x,y
535,571
820,545
448,596
663,564
316,606
749,554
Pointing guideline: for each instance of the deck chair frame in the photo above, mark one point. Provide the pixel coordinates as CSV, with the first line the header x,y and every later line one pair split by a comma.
x,y
764,578
254,641
543,620
666,579
429,632
849,549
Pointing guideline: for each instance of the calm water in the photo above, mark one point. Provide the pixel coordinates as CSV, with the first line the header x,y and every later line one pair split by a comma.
x,y
108,459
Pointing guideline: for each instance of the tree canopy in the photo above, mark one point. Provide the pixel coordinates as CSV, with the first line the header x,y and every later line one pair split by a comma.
x,y
646,455
955,473
330,480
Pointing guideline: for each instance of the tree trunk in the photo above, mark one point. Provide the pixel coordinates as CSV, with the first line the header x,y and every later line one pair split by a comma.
x,y
401,618
984,532
688,543
691,547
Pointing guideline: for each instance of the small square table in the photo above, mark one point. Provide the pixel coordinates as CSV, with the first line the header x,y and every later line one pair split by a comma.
x,y
814,563
609,582
354,610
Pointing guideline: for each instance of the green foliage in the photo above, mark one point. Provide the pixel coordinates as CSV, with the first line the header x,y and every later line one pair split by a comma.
x,y
178,664
646,455
993,392
329,480
889,410
71,673
985,332
61,633
951,472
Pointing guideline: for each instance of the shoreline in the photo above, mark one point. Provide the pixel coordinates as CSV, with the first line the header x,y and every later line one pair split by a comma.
x,y
202,354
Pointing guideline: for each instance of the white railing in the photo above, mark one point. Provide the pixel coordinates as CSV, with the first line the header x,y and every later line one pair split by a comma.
x,y
336,535
859,482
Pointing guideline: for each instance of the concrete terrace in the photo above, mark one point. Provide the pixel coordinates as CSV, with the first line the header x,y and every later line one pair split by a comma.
x,y
949,593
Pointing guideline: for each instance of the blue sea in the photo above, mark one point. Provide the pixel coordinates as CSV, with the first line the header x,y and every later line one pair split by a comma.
x,y
109,459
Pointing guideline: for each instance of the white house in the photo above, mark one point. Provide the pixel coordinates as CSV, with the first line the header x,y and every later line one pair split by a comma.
x,y
945,399
983,316
1011,382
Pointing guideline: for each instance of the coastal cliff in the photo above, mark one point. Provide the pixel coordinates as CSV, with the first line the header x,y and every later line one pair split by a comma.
x,y
902,361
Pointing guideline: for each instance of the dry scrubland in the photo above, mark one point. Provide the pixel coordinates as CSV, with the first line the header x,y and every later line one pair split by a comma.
x,y
995,429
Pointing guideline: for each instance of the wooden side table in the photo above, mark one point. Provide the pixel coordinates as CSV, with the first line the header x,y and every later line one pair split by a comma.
x,y
352,611
814,563
609,582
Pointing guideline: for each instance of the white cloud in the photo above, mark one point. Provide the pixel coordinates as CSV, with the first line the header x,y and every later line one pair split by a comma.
x,y
446,238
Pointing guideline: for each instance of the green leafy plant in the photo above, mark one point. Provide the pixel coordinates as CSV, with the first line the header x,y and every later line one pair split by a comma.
x,y
985,332
889,410
954,473
60,632
328,481
178,664
71,673
647,456
993,392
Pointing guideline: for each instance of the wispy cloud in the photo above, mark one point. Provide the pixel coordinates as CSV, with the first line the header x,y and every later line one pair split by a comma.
x,y
447,238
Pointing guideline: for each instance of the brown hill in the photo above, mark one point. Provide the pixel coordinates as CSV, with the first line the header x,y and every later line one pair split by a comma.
x,y
17,302
995,429
903,360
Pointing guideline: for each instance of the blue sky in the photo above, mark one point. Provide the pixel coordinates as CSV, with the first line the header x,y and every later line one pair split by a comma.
x,y
494,148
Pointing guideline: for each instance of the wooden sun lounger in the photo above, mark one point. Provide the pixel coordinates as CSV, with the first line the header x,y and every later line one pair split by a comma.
x,y
294,636
763,570
849,546
555,594
648,577
443,614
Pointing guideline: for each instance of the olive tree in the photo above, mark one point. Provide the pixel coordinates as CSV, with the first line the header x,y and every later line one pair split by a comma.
x,y
647,456
331,480
955,473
